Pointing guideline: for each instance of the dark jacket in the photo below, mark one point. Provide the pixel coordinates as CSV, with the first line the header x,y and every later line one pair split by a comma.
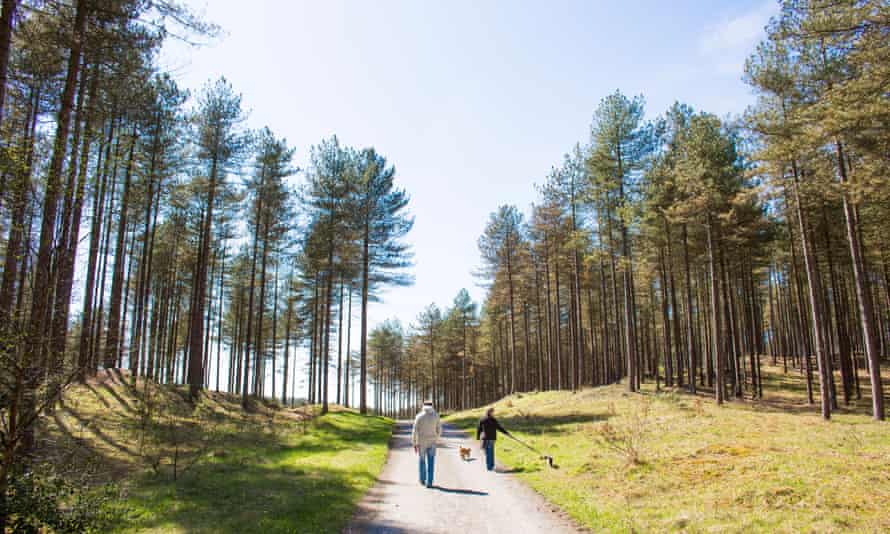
x,y
488,428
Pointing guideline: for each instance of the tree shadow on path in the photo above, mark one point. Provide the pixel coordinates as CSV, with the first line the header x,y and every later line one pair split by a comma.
x,y
459,491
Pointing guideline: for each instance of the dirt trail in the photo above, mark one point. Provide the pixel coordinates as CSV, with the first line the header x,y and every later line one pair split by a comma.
x,y
465,497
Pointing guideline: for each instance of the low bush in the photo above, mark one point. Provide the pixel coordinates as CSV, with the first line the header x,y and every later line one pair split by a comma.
x,y
628,436
37,501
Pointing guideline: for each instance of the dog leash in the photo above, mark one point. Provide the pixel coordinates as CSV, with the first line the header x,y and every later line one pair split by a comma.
x,y
543,456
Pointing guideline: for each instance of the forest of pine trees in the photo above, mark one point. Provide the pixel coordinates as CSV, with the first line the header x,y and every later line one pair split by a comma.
x,y
147,229
689,250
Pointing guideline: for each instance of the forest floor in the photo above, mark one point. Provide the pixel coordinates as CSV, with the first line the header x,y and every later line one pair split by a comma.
x,y
672,461
213,467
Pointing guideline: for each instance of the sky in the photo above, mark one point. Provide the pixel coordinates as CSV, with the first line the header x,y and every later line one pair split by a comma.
x,y
472,101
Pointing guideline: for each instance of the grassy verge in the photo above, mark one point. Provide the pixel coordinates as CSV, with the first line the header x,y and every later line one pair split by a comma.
x,y
671,461
215,468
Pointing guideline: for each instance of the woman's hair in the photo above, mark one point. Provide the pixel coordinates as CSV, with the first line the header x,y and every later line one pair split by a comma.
x,y
489,411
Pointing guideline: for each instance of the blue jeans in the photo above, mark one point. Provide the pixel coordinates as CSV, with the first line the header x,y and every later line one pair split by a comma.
x,y
488,445
427,464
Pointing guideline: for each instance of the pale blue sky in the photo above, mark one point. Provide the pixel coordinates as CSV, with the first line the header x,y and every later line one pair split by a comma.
x,y
473,102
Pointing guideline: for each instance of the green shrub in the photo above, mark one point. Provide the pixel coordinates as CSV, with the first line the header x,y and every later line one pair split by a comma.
x,y
37,502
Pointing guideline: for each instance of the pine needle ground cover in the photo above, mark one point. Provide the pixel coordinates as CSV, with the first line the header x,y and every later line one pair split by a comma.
x,y
671,461
266,470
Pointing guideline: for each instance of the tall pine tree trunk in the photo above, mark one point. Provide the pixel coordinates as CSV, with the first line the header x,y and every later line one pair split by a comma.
x,y
715,315
196,313
512,324
815,292
347,375
64,268
675,310
259,367
42,281
340,347
20,193
85,354
7,16
690,340
863,294
329,297
550,336
287,334
117,279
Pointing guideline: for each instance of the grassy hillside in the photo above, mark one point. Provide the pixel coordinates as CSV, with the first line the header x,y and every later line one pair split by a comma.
x,y
215,468
767,466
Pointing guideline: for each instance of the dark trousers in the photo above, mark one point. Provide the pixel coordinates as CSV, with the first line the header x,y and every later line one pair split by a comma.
x,y
488,446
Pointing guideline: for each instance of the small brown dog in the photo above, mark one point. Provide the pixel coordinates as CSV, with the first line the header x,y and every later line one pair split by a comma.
x,y
465,454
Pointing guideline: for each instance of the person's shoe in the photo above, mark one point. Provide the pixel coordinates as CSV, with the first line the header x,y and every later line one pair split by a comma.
x,y
429,485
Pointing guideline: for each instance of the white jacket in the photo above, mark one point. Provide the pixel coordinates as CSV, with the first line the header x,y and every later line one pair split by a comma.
x,y
427,428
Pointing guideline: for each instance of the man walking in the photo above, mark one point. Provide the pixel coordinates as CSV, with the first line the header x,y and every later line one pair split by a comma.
x,y
427,431
488,432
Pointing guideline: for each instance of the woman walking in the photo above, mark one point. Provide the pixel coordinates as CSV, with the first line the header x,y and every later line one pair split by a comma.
x,y
487,431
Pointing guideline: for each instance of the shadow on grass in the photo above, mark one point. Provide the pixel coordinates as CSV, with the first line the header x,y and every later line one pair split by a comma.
x,y
265,482
511,470
787,393
76,452
533,425
100,397
118,397
251,498
249,471
92,426
343,431
338,432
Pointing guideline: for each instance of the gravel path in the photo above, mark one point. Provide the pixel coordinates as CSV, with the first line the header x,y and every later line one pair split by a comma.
x,y
464,498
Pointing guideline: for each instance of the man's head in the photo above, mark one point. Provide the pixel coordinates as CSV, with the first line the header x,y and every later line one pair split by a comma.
x,y
428,403
489,412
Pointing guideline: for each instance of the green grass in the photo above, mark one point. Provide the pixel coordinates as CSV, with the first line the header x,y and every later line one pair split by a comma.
x,y
270,470
749,466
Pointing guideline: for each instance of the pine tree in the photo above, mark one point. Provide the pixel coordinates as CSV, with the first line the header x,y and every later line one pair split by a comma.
x,y
620,145
499,245
220,143
383,223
